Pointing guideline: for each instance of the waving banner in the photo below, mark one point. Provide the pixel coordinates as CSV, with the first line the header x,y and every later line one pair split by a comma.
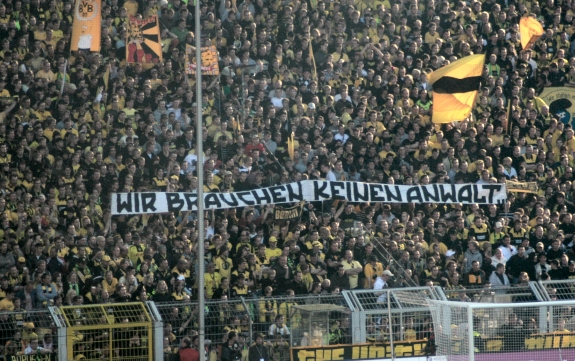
x,y
530,30
209,60
289,213
310,191
144,44
455,88
87,26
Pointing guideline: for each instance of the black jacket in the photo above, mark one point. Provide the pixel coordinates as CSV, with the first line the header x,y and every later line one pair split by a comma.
x,y
257,353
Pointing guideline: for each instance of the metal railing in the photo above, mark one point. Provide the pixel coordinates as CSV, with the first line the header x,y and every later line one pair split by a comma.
x,y
399,272
501,294
559,290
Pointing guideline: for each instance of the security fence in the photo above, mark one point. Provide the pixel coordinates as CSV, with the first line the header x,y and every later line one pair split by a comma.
x,y
398,317
17,328
180,319
121,331
396,320
512,331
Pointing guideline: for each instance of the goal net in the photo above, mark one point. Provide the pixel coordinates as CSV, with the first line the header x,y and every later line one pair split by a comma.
x,y
542,331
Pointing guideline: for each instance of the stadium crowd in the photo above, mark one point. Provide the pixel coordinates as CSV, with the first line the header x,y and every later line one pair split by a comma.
x,y
349,78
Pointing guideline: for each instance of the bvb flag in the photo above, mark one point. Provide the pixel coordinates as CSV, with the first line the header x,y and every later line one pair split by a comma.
x,y
288,213
455,88
530,30
87,26
144,44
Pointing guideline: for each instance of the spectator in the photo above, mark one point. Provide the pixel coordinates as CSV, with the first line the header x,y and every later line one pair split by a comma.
x,y
46,291
499,278
359,113
259,352
189,349
278,328
475,277
340,279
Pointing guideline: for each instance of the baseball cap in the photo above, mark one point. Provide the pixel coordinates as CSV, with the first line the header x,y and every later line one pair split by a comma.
x,y
388,273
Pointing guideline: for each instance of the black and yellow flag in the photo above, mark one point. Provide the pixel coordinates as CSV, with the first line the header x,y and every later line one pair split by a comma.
x,y
530,30
455,88
288,214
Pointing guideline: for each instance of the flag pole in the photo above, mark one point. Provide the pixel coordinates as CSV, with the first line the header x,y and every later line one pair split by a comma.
x,y
64,78
200,191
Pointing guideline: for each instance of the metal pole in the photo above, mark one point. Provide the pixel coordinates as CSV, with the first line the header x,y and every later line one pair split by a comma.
x,y
390,325
200,170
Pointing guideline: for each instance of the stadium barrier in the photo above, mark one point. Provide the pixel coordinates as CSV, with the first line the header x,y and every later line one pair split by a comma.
x,y
120,331
18,327
152,331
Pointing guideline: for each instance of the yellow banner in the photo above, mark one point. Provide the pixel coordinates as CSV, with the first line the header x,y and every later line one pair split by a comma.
x,y
561,101
209,60
530,30
87,26
144,44
358,352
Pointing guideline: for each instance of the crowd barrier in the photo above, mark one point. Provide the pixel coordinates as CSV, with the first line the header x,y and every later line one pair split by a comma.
x,y
393,321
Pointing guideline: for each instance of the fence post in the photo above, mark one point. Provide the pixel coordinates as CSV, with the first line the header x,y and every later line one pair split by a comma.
x,y
157,331
61,332
471,339
358,325
390,325
247,309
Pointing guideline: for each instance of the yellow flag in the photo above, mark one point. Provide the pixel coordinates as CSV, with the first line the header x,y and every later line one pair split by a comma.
x,y
530,30
313,60
290,146
455,88
107,76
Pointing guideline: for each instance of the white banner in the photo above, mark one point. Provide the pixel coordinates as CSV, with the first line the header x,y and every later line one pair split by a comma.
x,y
310,191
